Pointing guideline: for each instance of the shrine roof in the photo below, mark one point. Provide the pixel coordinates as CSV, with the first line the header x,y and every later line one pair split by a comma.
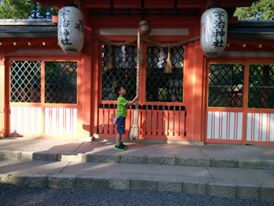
x,y
27,28
147,7
149,3
252,30
45,28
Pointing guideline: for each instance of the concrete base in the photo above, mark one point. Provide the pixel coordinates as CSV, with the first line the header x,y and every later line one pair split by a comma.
x,y
233,171
222,182
128,158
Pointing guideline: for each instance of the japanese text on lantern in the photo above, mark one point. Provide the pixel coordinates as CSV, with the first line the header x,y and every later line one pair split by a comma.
x,y
65,25
79,26
219,25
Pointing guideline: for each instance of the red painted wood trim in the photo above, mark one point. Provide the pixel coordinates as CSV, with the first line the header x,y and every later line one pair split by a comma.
x,y
7,97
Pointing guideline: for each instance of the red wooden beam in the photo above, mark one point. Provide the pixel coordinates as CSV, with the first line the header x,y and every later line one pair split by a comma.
x,y
96,3
116,4
29,43
234,4
192,4
154,4
133,4
53,2
168,4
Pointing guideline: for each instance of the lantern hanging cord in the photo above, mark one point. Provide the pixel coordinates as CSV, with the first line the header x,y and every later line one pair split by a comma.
x,y
147,40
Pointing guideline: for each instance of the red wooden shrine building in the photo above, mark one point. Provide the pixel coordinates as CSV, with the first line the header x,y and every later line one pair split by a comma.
x,y
226,99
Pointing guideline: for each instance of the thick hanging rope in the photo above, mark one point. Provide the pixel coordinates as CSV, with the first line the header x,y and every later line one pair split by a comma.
x,y
134,131
146,40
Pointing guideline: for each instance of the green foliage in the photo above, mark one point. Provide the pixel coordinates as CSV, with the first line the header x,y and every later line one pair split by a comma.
x,y
260,10
20,9
23,9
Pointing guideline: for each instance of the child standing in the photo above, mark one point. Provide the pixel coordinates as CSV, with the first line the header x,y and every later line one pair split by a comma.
x,y
121,114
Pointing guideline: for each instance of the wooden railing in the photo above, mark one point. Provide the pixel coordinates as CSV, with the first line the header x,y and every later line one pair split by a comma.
x,y
155,121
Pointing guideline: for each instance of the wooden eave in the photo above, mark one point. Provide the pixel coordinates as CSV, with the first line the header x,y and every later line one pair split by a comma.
x,y
147,7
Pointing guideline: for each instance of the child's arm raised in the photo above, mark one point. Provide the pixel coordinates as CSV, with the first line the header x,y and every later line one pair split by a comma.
x,y
133,101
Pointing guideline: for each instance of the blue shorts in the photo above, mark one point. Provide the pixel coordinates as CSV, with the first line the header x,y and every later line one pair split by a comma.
x,y
121,125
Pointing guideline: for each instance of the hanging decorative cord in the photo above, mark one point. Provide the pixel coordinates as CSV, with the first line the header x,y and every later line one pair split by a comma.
x,y
146,40
168,67
110,57
170,45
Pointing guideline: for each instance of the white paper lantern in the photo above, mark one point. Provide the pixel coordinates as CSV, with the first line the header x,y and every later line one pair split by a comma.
x,y
70,29
213,31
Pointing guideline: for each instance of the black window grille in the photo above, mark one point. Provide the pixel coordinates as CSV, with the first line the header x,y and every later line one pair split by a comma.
x,y
25,81
226,85
162,86
118,69
61,82
261,86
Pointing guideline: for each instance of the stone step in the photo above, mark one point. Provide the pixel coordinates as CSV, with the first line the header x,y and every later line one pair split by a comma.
x,y
252,184
126,158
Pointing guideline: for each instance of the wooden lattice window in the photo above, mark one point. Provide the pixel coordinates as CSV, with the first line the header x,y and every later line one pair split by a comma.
x,y
118,68
261,86
162,86
61,82
226,85
25,81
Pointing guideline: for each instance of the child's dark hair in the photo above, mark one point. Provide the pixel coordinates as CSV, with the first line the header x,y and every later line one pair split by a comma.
x,y
118,88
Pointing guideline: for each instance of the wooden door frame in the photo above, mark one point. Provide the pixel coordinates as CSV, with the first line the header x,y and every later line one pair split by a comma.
x,y
246,61
42,104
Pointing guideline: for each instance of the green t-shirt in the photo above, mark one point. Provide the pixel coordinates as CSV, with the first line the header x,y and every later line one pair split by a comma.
x,y
121,107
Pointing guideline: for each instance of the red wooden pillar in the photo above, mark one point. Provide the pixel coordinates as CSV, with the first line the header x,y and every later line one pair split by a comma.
x,y
84,91
95,81
2,96
200,89
6,97
84,74
194,91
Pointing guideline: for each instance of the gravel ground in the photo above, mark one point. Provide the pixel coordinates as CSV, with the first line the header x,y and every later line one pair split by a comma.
x,y
10,195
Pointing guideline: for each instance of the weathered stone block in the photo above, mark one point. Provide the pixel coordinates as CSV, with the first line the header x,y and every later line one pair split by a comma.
x,y
91,183
143,185
6,155
192,162
26,156
61,181
194,188
102,158
267,194
171,186
131,159
161,160
222,190
41,156
9,179
224,163
71,158
119,184
256,164
33,181
251,193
